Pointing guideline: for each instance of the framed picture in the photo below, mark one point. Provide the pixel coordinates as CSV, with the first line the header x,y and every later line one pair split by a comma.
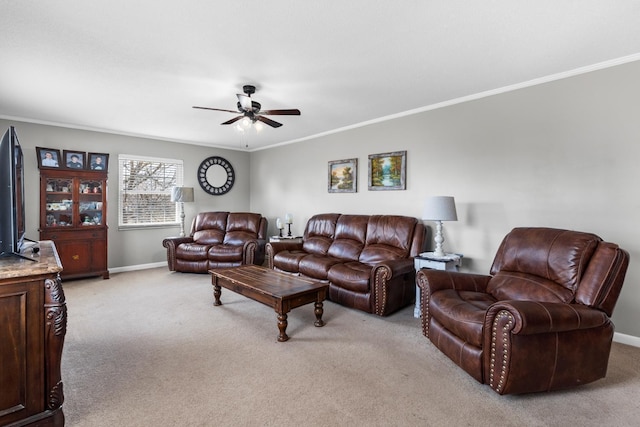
x,y
73,159
98,161
48,157
343,176
388,171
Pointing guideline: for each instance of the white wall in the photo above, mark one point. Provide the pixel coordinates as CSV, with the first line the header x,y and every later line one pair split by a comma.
x,y
562,154
129,247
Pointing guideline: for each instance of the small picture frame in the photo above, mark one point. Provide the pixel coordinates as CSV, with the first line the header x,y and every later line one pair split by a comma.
x,y
388,171
98,161
343,176
48,158
73,159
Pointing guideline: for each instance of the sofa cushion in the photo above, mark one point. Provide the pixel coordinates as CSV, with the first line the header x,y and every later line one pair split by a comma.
x,y
388,237
508,285
319,233
244,221
225,253
317,266
353,276
209,227
289,260
208,237
350,237
192,251
461,312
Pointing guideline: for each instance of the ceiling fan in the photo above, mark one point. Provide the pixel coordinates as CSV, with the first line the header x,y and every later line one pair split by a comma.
x,y
251,109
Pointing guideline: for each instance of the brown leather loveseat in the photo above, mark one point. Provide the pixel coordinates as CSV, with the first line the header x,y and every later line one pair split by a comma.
x,y
540,321
218,239
366,259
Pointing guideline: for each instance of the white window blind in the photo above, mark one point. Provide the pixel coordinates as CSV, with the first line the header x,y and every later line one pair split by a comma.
x,y
145,191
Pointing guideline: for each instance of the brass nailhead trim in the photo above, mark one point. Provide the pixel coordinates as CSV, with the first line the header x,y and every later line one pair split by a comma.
x,y
494,340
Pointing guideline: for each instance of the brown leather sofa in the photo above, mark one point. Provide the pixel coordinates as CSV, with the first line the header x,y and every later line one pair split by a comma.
x,y
218,239
540,321
366,259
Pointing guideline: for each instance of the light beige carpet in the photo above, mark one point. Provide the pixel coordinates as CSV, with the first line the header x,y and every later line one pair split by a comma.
x,y
147,348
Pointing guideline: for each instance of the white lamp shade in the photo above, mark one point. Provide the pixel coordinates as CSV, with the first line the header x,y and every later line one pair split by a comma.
x,y
182,194
440,208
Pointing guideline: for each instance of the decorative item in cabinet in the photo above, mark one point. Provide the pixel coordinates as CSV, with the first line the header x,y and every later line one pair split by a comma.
x,y
73,214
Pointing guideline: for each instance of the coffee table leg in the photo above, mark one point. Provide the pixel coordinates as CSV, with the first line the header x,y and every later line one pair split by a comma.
x,y
216,292
282,325
318,311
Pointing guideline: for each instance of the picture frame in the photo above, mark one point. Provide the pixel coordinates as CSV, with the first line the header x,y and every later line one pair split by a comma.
x,y
98,161
343,176
74,159
48,158
388,171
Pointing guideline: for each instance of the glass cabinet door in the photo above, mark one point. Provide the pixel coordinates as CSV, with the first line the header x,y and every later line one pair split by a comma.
x,y
90,206
59,202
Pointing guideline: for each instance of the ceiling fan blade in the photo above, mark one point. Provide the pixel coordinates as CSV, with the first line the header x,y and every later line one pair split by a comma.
x,y
235,119
245,101
215,109
270,122
291,112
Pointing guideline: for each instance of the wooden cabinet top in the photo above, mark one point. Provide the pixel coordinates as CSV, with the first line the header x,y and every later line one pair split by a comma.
x,y
47,262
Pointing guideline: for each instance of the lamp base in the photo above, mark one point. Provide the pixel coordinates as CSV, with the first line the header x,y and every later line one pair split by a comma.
x,y
439,239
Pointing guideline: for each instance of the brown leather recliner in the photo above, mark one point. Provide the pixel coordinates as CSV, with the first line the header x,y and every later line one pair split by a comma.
x,y
218,239
540,321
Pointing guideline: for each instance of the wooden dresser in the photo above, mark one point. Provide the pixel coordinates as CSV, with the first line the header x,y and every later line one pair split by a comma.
x,y
33,323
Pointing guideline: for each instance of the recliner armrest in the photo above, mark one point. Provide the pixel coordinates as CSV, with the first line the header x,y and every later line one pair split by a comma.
x,y
533,317
434,280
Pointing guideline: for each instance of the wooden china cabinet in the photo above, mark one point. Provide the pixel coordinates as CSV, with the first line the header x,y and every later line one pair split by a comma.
x,y
73,213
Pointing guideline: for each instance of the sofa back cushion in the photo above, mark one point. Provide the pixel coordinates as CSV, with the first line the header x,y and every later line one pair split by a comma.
x,y
350,237
242,227
319,233
209,227
388,237
543,264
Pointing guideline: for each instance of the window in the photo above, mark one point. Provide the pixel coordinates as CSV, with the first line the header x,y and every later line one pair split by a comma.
x,y
144,198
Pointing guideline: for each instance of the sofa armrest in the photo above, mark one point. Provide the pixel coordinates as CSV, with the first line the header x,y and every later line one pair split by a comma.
x,y
433,280
172,243
253,252
272,248
390,281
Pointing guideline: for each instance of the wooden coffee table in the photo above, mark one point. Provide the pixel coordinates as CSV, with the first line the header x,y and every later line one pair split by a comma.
x,y
281,291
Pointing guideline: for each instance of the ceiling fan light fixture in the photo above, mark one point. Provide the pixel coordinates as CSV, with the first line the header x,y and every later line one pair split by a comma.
x,y
252,110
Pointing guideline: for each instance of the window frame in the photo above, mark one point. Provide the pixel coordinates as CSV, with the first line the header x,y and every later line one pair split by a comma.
x,y
179,181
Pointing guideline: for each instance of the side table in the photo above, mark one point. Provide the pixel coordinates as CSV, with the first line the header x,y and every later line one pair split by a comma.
x,y
448,262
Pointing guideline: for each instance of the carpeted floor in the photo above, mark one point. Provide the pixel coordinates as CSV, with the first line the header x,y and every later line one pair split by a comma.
x,y
147,348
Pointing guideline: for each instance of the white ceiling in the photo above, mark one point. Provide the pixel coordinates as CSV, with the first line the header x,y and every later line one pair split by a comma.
x,y
137,67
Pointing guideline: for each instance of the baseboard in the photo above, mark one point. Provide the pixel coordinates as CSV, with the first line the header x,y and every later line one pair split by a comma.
x,y
137,267
626,339
617,337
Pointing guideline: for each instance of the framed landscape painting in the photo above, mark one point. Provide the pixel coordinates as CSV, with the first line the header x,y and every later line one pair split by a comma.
x,y
343,176
387,171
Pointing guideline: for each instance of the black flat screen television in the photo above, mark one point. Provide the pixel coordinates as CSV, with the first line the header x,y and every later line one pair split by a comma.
x,y
12,214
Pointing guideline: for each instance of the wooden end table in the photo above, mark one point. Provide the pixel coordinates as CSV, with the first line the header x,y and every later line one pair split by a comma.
x,y
281,291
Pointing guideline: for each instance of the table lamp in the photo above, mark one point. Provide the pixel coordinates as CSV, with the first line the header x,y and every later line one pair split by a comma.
x,y
438,209
288,219
182,195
